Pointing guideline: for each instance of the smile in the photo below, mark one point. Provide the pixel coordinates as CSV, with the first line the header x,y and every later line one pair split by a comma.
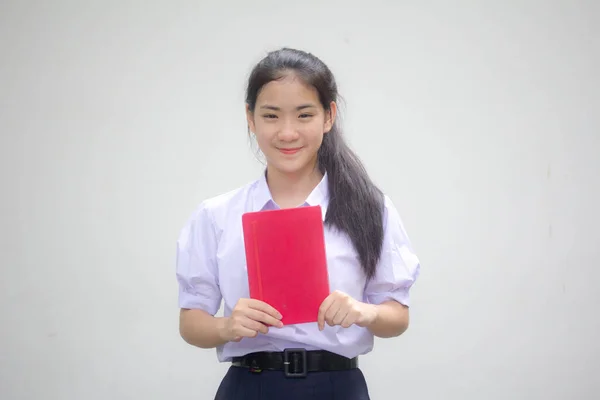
x,y
290,151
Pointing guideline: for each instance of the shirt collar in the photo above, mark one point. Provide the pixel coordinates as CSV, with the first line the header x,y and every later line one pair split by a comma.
x,y
262,198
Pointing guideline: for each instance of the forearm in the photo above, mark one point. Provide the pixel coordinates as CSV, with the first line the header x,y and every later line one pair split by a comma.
x,y
391,319
201,329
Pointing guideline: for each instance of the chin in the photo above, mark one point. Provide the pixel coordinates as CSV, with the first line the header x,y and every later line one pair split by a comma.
x,y
289,166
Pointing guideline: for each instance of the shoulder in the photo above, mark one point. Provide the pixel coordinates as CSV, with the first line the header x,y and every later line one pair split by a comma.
x,y
216,209
389,209
392,221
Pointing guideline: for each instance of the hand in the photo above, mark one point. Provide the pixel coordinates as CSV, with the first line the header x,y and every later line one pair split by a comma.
x,y
341,309
248,318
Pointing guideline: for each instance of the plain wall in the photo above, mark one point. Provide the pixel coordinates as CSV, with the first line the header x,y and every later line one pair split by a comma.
x,y
479,119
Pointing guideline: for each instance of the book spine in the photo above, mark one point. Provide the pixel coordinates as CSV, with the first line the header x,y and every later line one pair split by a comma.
x,y
257,261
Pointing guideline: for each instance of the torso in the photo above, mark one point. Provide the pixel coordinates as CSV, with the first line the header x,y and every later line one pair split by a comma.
x,y
345,275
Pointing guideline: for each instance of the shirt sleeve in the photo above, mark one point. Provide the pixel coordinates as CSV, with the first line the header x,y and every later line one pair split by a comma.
x,y
196,264
398,267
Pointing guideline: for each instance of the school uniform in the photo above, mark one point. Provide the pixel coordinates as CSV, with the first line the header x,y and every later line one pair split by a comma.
x,y
211,269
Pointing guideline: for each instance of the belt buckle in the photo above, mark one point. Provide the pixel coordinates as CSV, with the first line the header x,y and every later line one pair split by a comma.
x,y
290,363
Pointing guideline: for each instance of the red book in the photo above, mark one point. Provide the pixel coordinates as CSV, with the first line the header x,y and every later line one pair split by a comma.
x,y
286,261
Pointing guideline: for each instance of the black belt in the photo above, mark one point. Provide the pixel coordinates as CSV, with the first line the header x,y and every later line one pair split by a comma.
x,y
295,362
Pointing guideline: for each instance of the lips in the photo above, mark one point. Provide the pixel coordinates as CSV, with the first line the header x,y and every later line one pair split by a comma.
x,y
290,151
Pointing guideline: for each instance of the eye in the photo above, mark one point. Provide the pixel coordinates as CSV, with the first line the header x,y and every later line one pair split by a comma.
x,y
269,116
304,116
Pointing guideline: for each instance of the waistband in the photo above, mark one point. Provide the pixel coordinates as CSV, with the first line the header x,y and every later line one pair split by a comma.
x,y
295,362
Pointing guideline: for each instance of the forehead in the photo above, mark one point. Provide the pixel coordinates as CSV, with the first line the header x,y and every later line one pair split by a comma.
x,y
288,91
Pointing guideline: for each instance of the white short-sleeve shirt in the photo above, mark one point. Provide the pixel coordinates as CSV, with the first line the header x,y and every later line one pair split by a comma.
x,y
211,268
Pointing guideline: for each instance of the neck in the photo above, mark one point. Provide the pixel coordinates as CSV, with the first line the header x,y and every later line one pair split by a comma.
x,y
292,189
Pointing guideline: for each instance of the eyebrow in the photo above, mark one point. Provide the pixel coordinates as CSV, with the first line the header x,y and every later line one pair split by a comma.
x,y
275,108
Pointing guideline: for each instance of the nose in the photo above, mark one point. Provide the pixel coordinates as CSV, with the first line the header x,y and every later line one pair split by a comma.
x,y
288,132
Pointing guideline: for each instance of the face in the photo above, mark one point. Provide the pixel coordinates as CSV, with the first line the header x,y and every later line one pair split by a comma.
x,y
289,123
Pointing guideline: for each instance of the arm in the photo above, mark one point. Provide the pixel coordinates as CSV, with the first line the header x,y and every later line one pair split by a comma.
x,y
388,293
248,318
391,319
385,320
197,276
200,329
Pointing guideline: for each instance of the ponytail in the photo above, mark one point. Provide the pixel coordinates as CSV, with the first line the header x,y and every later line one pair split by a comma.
x,y
355,203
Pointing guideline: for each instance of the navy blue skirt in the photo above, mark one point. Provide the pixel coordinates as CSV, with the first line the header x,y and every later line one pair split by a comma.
x,y
242,384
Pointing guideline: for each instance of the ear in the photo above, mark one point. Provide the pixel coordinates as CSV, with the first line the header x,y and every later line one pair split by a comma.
x,y
330,117
250,119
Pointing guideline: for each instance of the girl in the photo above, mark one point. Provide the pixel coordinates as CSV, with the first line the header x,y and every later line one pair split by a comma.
x,y
291,110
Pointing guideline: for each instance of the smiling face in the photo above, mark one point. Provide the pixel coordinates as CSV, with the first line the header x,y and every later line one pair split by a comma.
x,y
289,122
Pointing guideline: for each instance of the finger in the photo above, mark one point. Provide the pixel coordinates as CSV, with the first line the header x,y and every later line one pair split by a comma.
x,y
242,331
345,308
263,317
333,311
255,326
341,314
323,310
349,320
264,307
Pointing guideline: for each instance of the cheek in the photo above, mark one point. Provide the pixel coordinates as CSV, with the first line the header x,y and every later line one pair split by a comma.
x,y
262,142
264,132
314,133
265,143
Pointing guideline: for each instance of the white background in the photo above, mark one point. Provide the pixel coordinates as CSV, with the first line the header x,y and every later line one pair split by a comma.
x,y
479,119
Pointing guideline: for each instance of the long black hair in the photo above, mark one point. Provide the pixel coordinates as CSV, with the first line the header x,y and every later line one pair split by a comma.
x,y
355,203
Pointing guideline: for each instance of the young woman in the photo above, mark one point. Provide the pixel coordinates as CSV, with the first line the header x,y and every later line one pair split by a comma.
x,y
291,110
